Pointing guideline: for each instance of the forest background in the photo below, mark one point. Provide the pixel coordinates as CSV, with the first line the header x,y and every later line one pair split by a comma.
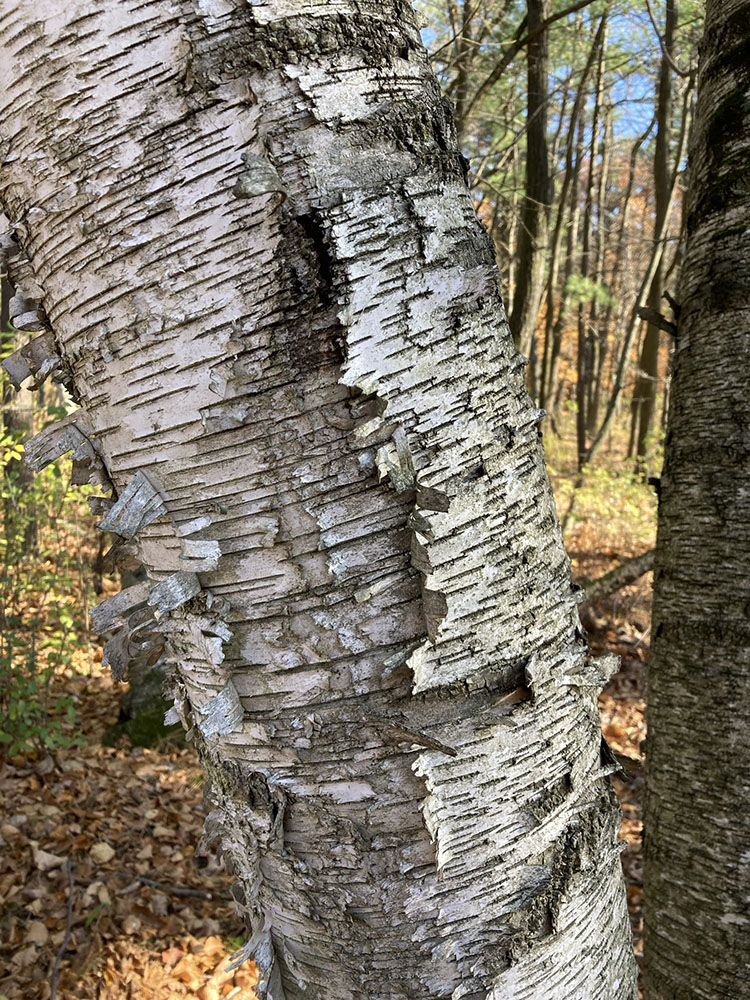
x,y
574,120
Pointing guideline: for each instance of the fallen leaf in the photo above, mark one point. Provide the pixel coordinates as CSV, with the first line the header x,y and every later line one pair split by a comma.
x,y
45,861
159,904
101,853
27,956
188,972
92,891
131,924
172,955
45,766
213,946
37,933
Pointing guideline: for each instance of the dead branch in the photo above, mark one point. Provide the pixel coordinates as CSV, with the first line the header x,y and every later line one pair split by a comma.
x,y
621,576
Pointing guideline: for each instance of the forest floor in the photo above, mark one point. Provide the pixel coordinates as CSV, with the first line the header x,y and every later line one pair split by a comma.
x,y
101,880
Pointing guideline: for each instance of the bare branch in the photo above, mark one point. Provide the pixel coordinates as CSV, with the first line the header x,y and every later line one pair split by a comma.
x,y
665,51
516,46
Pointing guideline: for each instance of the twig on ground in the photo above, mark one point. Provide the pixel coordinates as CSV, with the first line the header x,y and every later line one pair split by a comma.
x,y
174,890
66,937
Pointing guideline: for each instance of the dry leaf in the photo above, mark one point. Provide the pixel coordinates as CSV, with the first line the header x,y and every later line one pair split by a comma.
x,y
131,924
27,956
172,956
101,853
45,861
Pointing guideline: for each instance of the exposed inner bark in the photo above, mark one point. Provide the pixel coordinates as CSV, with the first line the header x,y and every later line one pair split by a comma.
x,y
274,301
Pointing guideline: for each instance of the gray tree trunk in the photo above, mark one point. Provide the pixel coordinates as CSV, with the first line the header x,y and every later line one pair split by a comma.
x,y
533,232
697,821
644,393
281,318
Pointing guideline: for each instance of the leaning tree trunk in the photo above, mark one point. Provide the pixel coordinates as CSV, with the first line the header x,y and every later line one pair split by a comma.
x,y
697,847
274,303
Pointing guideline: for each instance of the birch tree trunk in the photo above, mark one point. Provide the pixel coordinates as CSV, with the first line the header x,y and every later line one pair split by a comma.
x,y
267,288
697,846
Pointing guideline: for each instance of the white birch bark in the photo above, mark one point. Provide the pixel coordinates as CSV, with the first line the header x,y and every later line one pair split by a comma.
x,y
252,238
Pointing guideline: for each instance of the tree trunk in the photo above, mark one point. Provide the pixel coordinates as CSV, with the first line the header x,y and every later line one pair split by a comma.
x,y
697,941
569,188
644,394
466,50
571,258
281,319
533,232
585,352
599,313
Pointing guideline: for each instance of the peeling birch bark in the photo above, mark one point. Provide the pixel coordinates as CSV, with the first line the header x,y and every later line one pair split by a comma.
x,y
138,505
38,358
272,296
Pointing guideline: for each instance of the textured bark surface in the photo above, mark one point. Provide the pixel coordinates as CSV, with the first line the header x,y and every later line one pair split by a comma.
x,y
272,298
697,848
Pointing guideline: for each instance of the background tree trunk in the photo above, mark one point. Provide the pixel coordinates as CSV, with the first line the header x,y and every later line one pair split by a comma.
x,y
568,189
281,319
644,394
534,225
697,879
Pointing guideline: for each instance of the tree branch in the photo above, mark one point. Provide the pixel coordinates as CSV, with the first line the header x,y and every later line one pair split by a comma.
x,y
621,576
516,46
656,319
665,51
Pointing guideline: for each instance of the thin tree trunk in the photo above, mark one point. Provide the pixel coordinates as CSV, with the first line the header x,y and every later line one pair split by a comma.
x,y
533,232
466,50
585,338
656,253
569,189
644,394
621,576
600,314
697,822
571,259
281,319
